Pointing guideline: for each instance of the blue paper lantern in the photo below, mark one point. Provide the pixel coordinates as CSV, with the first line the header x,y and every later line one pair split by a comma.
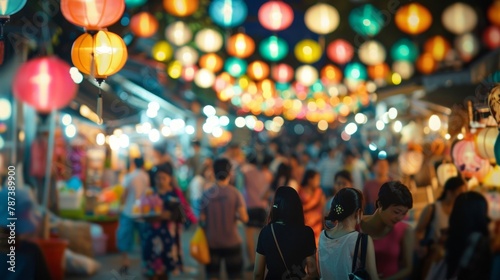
x,y
273,48
228,13
135,3
236,67
366,20
355,71
10,7
405,50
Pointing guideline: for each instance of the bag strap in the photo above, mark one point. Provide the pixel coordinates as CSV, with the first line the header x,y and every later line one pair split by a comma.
x,y
431,220
364,245
279,250
355,256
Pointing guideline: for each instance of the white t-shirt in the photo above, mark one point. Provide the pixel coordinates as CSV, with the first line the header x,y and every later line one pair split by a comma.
x,y
335,255
136,183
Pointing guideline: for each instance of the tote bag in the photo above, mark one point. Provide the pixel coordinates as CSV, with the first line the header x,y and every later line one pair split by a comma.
x,y
198,247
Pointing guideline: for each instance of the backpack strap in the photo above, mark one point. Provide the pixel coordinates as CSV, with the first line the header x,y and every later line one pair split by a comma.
x,y
364,245
355,256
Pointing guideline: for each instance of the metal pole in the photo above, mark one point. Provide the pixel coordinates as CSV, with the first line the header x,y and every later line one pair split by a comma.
x,y
48,164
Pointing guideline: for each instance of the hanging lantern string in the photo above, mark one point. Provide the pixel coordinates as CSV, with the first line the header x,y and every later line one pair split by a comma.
x,y
99,104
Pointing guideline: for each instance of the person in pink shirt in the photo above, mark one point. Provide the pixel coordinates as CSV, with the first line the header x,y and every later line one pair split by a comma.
x,y
392,238
371,187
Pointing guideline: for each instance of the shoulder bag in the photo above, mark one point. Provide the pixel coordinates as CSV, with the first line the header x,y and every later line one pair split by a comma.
x,y
360,273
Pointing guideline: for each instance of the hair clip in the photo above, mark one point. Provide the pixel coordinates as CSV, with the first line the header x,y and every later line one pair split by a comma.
x,y
339,209
275,206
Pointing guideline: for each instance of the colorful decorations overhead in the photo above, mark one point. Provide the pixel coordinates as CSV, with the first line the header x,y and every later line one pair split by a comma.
x,y
331,74
228,13
186,55
236,67
144,25
240,45
372,53
92,15
308,51
162,51
204,78
491,37
404,50
282,73
404,68
273,48
438,47
180,8
355,71
208,40
258,70
340,51
493,12
413,18
178,33
211,62
44,83
322,18
7,8
468,163
426,63
459,18
135,3
467,46
275,15
485,143
366,20
306,75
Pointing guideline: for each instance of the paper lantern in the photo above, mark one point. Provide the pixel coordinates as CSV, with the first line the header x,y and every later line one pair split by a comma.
x,y
438,46
135,3
355,71
340,51
372,53
208,40
162,51
445,171
174,69
493,12
178,33
426,63
467,46
186,55
366,20
240,45
494,104
331,74
189,72
404,49
235,66
404,68
322,18
468,163
44,83
10,7
491,37
144,25
180,8
223,81
282,73
228,13
104,51
459,18
211,62
497,149
492,179
308,51
258,70
204,78
306,75
410,162
413,18
379,71
275,15
273,48
92,15
485,143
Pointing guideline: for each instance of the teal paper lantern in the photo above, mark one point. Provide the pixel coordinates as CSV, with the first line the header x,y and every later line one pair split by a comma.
x,y
135,3
10,7
282,86
404,50
497,149
235,67
366,20
355,71
273,48
228,14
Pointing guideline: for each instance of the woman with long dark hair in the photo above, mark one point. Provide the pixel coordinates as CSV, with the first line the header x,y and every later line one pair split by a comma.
x,y
313,201
286,245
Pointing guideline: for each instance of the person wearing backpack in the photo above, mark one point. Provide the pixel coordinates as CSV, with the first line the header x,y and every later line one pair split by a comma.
x,y
339,246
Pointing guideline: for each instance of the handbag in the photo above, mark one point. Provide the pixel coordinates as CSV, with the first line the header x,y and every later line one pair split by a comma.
x,y
198,247
360,273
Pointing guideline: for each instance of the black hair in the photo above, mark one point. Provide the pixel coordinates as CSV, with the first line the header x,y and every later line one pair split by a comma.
x,y
469,214
343,174
222,168
394,193
452,184
196,143
349,152
284,172
251,158
296,157
139,162
308,175
287,207
345,203
166,168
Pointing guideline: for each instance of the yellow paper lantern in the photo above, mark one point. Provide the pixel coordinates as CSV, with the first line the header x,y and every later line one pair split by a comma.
x,y
413,18
240,45
180,8
492,179
174,69
258,70
322,18
308,51
162,51
372,53
178,33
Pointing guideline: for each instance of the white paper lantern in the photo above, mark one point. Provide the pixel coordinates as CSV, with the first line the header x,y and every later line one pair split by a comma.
x,y
306,75
204,78
404,68
178,33
322,18
459,18
372,53
187,56
208,40
467,46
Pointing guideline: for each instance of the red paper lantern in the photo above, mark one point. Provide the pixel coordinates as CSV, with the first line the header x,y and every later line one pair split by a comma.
x,y
92,15
144,25
189,72
491,37
275,15
340,51
282,73
468,162
45,83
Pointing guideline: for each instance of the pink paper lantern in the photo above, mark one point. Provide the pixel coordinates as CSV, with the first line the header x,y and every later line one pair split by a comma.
x,y
491,37
468,162
275,15
340,51
282,73
45,83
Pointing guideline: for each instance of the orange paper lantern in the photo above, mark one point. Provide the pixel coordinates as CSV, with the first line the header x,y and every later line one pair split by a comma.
x,y
144,25
212,62
240,45
413,18
438,46
181,8
331,74
493,12
426,63
92,15
379,71
258,70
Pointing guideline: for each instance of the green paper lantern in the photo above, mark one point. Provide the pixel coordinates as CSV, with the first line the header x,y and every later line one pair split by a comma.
x,y
273,48
135,3
404,50
235,67
355,71
366,20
